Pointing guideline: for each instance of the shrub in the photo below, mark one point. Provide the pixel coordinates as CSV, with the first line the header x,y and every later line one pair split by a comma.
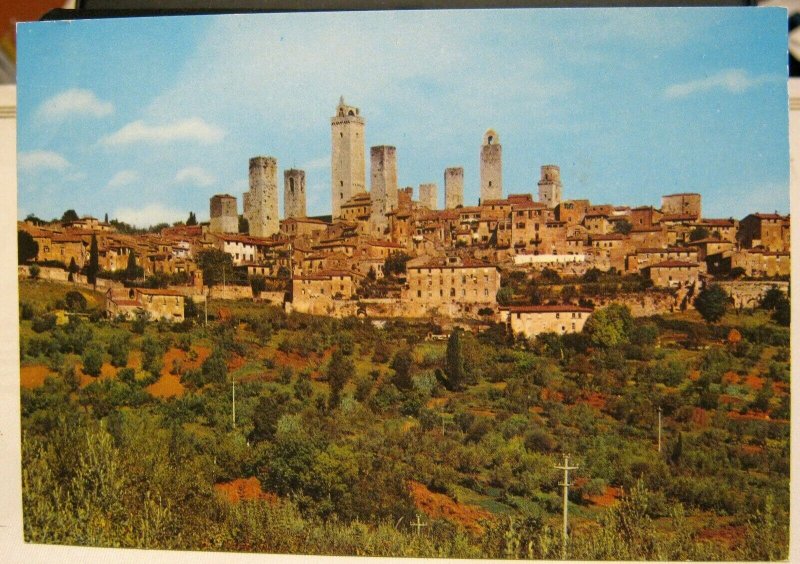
x,y
92,361
44,322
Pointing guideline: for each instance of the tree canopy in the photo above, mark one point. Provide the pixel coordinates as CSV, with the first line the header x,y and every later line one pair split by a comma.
x,y
27,248
711,303
610,326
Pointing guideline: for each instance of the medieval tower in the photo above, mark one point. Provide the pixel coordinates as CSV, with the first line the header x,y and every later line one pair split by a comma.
x,y
383,188
224,214
550,186
453,187
348,168
428,196
294,193
491,167
261,202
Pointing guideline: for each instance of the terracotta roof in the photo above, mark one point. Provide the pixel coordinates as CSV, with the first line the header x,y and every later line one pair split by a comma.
x,y
678,217
547,309
674,264
608,237
441,262
681,194
719,222
767,215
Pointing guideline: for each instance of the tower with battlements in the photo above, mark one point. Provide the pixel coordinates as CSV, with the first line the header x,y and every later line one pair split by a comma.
x,y
348,168
491,167
427,195
261,201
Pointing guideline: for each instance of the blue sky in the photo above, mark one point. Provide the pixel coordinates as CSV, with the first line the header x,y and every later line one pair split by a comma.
x,y
145,119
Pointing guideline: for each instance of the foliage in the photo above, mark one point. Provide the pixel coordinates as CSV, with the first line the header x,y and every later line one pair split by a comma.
x,y
133,271
623,226
402,365
27,248
92,361
75,301
395,263
94,266
711,303
698,233
455,367
216,266
504,296
192,220
609,326
340,371
69,215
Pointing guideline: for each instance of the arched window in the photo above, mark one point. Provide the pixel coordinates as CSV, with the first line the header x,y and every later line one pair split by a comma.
x,y
351,113
489,140
291,185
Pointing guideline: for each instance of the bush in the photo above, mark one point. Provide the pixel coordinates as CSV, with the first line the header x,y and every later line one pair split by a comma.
x,y
44,322
92,362
75,301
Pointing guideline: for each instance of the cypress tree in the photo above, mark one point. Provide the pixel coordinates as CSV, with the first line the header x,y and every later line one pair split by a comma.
x,y
131,269
94,264
455,361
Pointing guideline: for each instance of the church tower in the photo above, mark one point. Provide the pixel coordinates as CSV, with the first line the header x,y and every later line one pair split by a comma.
x,y
348,167
491,167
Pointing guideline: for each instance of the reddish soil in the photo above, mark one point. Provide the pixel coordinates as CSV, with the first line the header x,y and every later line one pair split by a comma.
x,y
730,400
482,412
433,403
594,399
700,417
751,449
107,372
730,535
548,394
754,382
694,375
780,388
607,498
235,362
436,506
293,360
731,377
750,416
33,376
244,489
734,336
169,385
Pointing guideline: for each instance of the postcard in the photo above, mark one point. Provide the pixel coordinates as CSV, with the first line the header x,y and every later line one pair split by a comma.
x,y
506,284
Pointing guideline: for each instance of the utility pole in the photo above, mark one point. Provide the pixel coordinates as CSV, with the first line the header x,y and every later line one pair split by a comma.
x,y
418,525
233,395
659,428
205,304
565,484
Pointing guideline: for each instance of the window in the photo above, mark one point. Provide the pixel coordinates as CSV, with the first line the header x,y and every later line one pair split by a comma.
x,y
558,316
419,293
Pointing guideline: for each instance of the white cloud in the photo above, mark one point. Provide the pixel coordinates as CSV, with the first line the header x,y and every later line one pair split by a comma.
x,y
732,80
74,102
192,129
194,175
41,160
123,178
148,215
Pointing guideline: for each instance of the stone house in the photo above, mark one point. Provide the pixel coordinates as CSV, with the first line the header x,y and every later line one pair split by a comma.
x,y
315,293
673,273
766,230
533,320
759,263
157,303
434,282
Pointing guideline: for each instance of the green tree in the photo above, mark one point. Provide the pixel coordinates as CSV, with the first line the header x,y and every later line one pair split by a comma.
x,y
92,361
396,263
623,226
258,284
711,303
69,215
192,219
27,248
455,366
698,233
610,326
505,295
94,264
132,270
244,225
216,266
401,364
340,370
118,348
75,301
783,313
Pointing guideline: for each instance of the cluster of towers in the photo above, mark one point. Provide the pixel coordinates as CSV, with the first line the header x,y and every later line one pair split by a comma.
x,y
348,178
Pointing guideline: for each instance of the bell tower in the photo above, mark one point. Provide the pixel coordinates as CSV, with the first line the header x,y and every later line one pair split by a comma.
x,y
491,167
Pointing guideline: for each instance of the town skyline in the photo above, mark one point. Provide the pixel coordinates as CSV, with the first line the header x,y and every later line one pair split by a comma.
x,y
83,140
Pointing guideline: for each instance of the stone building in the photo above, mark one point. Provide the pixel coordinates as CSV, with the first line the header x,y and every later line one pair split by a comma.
x,y
453,187
383,189
673,273
491,166
294,193
156,303
724,229
315,293
224,214
686,203
760,263
440,281
261,201
550,186
428,195
764,230
532,320
348,165
571,211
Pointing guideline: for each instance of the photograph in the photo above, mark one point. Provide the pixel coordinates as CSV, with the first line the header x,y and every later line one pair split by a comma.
x,y
474,284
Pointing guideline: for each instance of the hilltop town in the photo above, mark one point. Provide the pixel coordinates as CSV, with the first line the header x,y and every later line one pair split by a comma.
x,y
389,252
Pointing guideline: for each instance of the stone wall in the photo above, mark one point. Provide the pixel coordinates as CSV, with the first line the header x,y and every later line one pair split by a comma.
x,y
747,293
230,292
428,195
261,202
383,190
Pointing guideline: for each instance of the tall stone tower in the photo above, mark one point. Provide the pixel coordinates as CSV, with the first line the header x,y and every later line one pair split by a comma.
x,y
383,188
550,186
428,196
491,167
348,168
261,202
453,187
224,214
294,193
